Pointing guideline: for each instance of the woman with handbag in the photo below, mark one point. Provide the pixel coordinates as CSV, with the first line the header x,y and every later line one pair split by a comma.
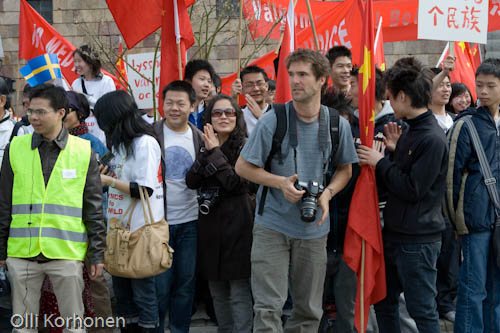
x,y
226,215
135,166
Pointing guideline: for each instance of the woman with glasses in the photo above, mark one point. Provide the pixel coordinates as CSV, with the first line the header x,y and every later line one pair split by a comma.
x,y
226,215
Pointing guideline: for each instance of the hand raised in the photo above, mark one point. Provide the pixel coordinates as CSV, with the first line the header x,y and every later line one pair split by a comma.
x,y
392,133
210,137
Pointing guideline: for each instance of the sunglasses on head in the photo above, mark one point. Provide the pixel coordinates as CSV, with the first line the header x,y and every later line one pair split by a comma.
x,y
216,113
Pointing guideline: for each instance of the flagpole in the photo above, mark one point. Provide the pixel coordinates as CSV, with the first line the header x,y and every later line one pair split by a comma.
x,y
177,38
239,40
441,58
313,27
362,291
377,35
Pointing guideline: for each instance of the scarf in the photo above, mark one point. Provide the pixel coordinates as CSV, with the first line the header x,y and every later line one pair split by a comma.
x,y
79,130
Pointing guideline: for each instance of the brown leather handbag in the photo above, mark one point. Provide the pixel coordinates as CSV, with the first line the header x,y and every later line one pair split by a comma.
x,y
141,253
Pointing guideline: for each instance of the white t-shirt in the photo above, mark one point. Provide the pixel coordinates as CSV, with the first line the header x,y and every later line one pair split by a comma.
x,y
445,122
144,168
182,204
148,119
250,119
95,89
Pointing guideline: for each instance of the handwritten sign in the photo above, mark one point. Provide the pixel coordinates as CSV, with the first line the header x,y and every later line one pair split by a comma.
x,y
453,20
142,88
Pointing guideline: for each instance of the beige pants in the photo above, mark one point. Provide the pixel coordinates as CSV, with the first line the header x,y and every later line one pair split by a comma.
x,y
26,278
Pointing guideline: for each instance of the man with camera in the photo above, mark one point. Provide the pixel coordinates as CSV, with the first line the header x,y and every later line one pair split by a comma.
x,y
289,237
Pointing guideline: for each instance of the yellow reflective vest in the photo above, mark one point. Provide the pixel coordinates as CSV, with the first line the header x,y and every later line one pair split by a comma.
x,y
48,220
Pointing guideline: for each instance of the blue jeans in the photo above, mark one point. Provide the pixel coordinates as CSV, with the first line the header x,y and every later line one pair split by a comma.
x,y
136,300
410,268
176,286
478,300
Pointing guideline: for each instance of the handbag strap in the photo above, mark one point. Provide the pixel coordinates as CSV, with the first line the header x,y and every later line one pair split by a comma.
x,y
489,180
145,202
130,209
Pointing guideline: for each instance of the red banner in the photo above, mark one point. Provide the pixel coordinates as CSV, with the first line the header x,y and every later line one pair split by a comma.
x,y
399,17
37,37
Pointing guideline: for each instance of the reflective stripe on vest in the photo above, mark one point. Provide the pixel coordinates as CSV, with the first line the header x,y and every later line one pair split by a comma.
x,y
48,219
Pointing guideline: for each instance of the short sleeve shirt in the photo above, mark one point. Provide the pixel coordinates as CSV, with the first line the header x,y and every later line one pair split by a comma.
x,y
142,167
279,214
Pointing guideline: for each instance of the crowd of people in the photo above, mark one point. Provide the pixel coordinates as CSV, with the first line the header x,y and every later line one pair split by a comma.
x,y
256,197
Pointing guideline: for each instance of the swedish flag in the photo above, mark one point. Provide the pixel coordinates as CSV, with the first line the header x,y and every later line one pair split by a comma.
x,y
41,69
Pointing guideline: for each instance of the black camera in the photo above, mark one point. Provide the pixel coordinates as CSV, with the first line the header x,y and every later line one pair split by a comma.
x,y
207,199
309,201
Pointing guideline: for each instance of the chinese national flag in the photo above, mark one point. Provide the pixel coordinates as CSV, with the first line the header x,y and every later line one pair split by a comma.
x,y
379,51
465,69
283,93
175,29
363,247
121,74
137,19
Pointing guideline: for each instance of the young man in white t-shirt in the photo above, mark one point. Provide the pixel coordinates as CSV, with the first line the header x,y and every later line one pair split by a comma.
x,y
179,140
253,84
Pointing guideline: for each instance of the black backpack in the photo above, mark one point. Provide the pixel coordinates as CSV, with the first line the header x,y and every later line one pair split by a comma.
x,y
279,134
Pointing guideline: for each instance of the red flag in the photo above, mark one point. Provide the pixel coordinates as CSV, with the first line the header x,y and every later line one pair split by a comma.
x,y
283,92
379,48
465,65
363,246
175,30
138,19
37,37
465,71
121,74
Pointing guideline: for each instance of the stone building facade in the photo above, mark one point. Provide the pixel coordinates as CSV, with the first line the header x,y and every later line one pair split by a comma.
x,y
78,20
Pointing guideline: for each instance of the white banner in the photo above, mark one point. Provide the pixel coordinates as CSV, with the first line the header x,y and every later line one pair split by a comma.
x,y
142,88
453,20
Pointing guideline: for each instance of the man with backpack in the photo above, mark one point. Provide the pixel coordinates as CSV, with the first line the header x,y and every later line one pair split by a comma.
x,y
473,206
289,153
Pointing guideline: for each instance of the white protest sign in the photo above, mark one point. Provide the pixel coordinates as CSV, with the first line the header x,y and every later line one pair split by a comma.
x,y
142,88
453,20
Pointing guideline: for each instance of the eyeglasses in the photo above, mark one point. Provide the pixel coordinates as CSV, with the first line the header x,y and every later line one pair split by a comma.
x,y
39,113
250,85
217,113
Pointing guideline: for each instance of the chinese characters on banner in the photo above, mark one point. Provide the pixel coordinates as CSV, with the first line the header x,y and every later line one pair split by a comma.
x,y
453,20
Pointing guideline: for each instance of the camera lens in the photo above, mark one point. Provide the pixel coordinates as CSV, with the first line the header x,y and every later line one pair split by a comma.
x,y
308,209
205,207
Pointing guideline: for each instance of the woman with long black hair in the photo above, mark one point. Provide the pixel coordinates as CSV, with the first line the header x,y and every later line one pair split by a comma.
x,y
226,215
136,162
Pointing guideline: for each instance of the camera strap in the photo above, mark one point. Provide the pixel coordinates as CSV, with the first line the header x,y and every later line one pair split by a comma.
x,y
293,135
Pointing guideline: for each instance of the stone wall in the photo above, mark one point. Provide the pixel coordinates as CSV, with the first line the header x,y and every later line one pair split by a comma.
x,y
77,19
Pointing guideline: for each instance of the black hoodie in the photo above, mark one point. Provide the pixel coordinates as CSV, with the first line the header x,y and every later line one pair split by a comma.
x,y
415,178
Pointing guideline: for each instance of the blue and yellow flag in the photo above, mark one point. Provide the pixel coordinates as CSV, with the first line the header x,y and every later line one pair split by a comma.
x,y
41,69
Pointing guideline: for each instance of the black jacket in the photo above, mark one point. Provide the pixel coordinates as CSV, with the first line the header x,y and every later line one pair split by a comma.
x,y
415,177
225,234
92,196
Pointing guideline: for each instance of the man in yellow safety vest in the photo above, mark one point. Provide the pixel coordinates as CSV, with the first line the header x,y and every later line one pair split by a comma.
x,y
50,213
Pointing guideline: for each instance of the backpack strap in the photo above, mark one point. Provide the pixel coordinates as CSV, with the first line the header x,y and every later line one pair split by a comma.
x,y
335,138
489,179
279,134
84,90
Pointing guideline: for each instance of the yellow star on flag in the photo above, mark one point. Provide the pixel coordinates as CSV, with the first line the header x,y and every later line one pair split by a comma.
x,y
366,68
462,46
372,119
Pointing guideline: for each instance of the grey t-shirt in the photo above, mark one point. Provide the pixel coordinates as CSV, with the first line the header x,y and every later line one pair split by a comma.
x,y
280,214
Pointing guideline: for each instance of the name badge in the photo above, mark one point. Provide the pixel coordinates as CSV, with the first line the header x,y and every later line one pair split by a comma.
x,y
69,173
